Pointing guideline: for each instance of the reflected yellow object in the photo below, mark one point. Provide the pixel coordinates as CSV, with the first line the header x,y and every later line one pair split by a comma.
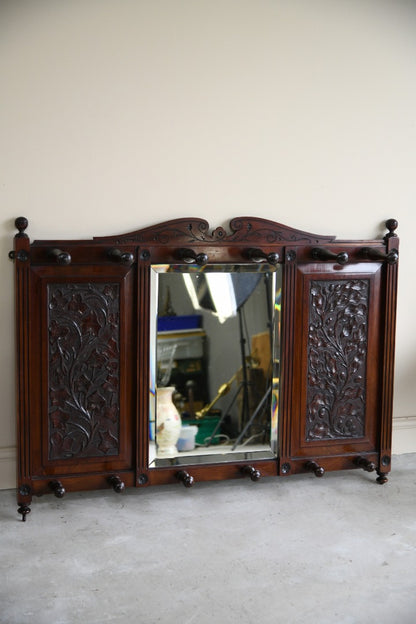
x,y
222,391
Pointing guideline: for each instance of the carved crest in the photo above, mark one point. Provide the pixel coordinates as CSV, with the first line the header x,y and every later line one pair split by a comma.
x,y
242,230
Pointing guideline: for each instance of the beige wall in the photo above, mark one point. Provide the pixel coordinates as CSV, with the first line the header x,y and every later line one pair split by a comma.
x,y
117,114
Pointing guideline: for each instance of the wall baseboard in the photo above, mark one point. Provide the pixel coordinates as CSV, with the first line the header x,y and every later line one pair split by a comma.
x,y
404,435
7,467
404,441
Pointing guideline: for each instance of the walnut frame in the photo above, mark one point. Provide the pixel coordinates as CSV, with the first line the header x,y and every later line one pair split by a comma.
x,y
69,286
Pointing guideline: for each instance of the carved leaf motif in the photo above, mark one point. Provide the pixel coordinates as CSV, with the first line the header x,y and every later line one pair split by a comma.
x,y
84,364
337,347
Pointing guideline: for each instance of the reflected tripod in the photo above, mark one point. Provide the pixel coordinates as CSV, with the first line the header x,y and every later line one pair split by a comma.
x,y
243,386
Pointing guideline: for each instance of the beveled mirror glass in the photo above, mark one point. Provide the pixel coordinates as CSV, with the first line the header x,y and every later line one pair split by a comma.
x,y
214,354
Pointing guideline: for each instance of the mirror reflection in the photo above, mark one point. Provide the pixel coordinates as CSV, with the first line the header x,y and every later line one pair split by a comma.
x,y
214,363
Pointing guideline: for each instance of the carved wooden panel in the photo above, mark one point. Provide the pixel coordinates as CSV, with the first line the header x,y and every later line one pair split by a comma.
x,y
83,369
337,347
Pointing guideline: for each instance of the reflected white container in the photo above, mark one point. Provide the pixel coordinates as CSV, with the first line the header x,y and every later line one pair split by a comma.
x,y
187,436
168,423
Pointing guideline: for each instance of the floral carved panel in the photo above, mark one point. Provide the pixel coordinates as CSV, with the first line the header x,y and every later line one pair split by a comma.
x,y
337,347
84,370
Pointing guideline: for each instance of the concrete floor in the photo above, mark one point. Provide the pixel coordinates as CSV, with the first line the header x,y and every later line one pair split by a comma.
x,y
336,550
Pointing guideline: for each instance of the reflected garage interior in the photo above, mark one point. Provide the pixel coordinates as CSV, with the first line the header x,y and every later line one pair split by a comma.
x,y
215,360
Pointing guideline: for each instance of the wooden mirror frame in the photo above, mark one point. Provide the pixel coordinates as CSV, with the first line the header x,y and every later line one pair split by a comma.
x,y
82,318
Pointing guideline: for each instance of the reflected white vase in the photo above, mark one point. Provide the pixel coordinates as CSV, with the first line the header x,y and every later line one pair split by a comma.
x,y
168,422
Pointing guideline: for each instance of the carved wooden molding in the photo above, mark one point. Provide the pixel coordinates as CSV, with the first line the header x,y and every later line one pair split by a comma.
x,y
242,230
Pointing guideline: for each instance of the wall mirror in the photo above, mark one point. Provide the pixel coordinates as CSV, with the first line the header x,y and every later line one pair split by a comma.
x,y
215,353
177,354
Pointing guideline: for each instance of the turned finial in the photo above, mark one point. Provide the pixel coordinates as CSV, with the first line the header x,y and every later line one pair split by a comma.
x,y
391,225
21,224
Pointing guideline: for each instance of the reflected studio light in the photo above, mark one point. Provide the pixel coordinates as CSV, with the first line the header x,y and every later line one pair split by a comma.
x,y
212,291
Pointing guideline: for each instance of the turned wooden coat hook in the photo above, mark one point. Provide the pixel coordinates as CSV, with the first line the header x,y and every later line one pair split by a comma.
x,y
318,470
124,257
251,472
320,253
258,256
60,257
116,483
57,488
365,464
371,253
190,257
185,478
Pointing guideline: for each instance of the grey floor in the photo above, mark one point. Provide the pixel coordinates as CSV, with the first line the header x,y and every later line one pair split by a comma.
x,y
338,550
